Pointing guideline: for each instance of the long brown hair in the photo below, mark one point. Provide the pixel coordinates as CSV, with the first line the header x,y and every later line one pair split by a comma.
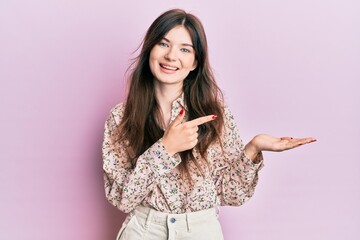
x,y
140,123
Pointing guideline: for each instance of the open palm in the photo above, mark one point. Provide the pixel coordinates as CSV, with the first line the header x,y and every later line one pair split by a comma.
x,y
264,142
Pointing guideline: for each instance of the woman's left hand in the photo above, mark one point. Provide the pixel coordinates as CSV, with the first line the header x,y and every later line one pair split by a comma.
x,y
264,142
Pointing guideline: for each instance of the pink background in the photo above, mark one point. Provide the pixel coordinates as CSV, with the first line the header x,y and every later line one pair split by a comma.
x,y
286,68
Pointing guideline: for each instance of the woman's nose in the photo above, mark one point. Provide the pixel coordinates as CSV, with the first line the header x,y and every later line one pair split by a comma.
x,y
171,54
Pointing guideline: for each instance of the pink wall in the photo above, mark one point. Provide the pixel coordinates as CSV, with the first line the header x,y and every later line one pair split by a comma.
x,y
286,67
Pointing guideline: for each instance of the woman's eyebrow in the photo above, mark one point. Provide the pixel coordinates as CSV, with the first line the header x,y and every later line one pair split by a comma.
x,y
183,44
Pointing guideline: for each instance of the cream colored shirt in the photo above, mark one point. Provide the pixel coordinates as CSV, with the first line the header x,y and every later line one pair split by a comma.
x,y
155,180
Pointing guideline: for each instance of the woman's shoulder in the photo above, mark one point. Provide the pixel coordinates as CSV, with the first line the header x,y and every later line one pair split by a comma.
x,y
224,106
117,112
118,108
227,112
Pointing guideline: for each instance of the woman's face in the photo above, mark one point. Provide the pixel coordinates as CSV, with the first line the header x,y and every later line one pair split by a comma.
x,y
172,59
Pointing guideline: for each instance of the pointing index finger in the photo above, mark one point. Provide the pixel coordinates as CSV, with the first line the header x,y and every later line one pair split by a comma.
x,y
201,120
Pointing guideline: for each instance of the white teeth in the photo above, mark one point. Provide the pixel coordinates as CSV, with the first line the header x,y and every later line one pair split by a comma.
x,y
168,67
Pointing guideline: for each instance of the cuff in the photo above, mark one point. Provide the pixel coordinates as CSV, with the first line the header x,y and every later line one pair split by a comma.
x,y
257,163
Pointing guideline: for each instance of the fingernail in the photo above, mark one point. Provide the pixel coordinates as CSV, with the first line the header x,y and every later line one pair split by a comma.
x,y
214,117
182,111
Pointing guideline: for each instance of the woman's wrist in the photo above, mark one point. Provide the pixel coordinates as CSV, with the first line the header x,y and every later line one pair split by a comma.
x,y
251,150
167,147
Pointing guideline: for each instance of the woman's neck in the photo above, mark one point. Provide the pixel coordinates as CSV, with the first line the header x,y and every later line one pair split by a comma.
x,y
166,94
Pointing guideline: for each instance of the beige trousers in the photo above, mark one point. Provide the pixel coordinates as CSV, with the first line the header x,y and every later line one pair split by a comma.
x,y
144,223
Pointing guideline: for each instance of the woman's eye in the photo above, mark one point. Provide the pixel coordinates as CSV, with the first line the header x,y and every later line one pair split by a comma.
x,y
185,50
163,44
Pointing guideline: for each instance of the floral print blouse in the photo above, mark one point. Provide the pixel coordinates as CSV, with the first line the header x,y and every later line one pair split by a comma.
x,y
155,181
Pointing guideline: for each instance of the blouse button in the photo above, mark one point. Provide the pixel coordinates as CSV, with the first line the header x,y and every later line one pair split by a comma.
x,y
172,220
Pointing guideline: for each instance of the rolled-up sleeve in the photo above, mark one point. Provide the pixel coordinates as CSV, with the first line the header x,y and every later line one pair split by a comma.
x,y
126,186
235,175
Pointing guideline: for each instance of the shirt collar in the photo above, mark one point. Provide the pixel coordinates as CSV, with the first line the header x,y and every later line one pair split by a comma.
x,y
179,102
177,105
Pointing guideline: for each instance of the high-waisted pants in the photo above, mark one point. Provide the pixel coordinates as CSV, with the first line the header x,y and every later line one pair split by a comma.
x,y
144,223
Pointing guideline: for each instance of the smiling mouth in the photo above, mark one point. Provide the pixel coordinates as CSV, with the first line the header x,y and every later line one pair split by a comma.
x,y
168,67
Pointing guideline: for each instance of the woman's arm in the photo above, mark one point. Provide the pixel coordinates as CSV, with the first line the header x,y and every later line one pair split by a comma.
x,y
126,186
236,171
235,174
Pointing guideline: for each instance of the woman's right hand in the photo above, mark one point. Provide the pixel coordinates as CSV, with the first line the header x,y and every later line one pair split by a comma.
x,y
180,136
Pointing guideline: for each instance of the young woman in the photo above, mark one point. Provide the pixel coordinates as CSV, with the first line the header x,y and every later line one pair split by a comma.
x,y
171,151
